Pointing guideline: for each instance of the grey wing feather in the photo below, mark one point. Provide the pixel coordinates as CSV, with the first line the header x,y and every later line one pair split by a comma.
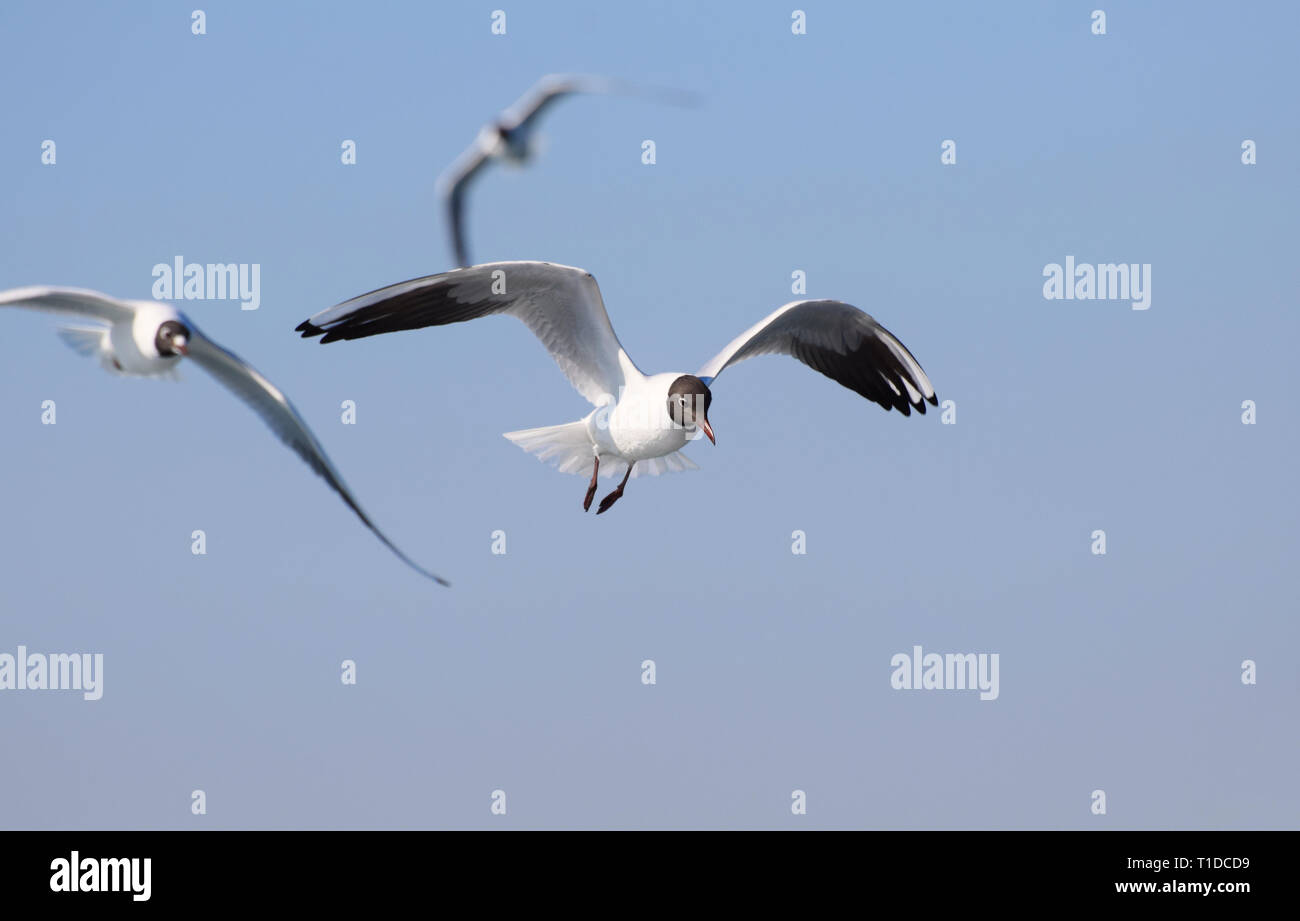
x,y
545,93
90,341
454,183
265,399
70,301
841,342
559,303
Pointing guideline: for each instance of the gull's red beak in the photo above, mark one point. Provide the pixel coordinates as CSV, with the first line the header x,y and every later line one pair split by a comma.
x,y
708,430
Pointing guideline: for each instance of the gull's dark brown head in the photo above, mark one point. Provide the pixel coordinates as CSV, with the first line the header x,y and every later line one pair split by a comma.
x,y
688,404
173,339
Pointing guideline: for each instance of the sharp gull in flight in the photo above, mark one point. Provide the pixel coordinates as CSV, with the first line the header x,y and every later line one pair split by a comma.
x,y
149,338
641,422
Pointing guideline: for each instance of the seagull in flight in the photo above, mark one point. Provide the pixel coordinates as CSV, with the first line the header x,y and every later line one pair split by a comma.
x,y
641,422
510,138
149,339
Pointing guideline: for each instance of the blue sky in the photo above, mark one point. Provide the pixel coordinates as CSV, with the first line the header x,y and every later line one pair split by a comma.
x,y
819,153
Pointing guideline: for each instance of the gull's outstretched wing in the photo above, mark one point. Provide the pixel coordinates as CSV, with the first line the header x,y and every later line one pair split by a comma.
x,y
554,87
278,413
560,304
452,185
545,93
840,341
70,301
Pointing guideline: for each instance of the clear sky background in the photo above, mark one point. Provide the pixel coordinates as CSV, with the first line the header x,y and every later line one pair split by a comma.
x,y
818,152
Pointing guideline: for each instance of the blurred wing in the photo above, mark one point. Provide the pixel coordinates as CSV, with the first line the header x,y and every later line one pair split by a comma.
x,y
840,341
96,342
278,413
545,93
453,184
70,301
560,304
554,87
90,341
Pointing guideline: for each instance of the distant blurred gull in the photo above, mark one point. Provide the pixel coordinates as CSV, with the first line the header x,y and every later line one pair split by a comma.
x,y
149,338
510,138
639,420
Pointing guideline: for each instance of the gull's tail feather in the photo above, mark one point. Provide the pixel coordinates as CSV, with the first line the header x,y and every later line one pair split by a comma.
x,y
669,463
568,448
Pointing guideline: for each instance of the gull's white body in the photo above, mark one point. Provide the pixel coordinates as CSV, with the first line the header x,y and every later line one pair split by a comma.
x,y
639,426
492,145
130,347
633,427
636,428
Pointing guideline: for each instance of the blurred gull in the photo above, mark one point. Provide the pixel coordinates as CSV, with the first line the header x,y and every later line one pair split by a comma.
x,y
511,138
149,339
